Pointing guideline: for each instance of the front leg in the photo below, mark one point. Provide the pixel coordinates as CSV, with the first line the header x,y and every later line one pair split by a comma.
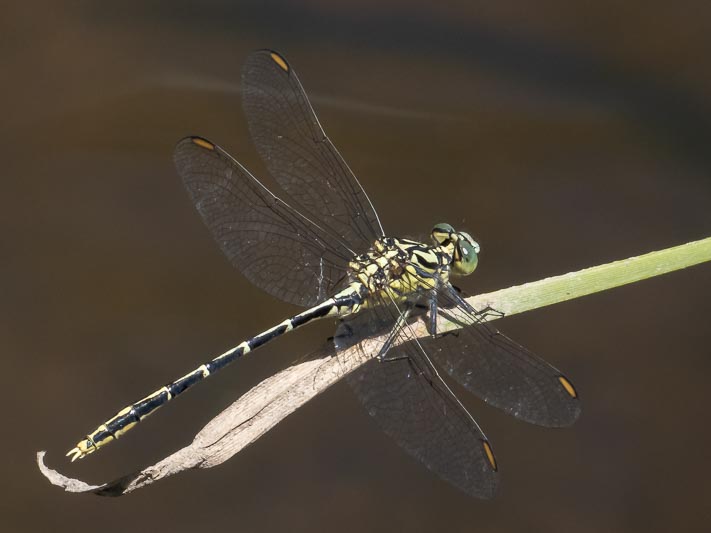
x,y
483,315
487,312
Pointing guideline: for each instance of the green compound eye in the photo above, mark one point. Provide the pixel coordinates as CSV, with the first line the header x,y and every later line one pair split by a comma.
x,y
466,255
442,232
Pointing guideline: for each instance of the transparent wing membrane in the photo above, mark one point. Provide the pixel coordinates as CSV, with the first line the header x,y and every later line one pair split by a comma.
x,y
500,371
405,395
275,247
299,155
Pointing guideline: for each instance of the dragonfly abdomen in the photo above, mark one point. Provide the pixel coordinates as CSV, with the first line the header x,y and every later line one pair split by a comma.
x,y
344,303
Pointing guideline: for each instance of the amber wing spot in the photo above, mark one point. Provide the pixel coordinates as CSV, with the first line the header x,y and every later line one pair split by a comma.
x,y
568,386
280,61
202,143
490,455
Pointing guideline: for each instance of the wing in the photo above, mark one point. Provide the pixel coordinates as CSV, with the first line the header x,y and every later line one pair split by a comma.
x,y
499,371
411,403
276,248
299,155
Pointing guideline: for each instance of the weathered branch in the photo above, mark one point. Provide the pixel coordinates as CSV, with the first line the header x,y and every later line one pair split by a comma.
x,y
264,406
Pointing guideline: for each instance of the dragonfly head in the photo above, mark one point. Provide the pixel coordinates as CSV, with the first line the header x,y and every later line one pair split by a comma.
x,y
465,250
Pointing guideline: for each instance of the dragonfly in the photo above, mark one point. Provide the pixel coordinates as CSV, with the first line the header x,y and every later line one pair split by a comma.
x,y
325,250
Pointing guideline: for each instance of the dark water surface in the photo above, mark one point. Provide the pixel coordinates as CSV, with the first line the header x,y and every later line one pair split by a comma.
x,y
560,136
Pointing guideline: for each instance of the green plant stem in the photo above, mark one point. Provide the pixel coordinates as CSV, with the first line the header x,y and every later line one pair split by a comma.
x,y
548,291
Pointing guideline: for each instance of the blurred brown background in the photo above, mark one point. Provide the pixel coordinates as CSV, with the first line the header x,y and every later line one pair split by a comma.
x,y
562,135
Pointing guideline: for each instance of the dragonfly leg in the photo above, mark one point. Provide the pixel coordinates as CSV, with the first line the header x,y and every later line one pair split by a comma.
x,y
432,318
489,313
395,331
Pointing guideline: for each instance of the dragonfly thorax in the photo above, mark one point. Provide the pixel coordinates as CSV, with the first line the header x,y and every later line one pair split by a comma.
x,y
401,266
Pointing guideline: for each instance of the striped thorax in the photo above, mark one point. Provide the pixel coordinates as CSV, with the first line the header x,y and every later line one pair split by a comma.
x,y
397,267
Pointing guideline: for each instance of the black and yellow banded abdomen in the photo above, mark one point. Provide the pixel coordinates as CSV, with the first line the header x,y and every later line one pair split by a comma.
x,y
342,304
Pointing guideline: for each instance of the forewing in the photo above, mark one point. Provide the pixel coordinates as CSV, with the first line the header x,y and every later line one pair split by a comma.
x,y
499,371
275,247
299,155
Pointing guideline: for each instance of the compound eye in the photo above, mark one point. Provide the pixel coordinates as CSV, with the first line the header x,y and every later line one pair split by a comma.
x,y
442,233
466,256
464,236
